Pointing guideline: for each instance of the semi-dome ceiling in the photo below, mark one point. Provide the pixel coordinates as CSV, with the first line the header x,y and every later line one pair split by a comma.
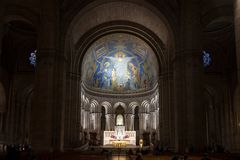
x,y
120,63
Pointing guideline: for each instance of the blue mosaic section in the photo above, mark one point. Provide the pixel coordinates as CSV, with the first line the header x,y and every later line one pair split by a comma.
x,y
33,58
120,62
206,58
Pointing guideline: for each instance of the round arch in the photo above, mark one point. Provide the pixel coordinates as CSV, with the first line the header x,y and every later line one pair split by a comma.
x,y
20,13
123,105
90,24
133,105
107,105
151,26
124,27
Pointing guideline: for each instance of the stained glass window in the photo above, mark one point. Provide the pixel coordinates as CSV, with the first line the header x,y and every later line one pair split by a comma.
x,y
206,57
33,58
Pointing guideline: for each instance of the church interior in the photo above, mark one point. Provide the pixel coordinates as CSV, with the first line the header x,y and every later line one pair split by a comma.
x,y
115,79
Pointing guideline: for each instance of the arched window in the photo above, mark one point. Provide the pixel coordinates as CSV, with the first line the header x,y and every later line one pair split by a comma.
x,y
206,57
33,58
119,120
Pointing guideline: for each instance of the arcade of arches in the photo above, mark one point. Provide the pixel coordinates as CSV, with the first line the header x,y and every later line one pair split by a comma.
x,y
120,70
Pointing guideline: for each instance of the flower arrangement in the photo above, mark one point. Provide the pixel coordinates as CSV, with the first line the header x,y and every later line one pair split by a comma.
x,y
114,137
126,136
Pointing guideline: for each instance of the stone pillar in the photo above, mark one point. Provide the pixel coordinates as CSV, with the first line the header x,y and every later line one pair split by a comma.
x,y
151,116
98,118
165,113
87,119
188,87
48,101
125,120
128,121
157,123
107,122
154,120
111,122
2,91
237,90
73,111
42,110
132,122
93,121
84,118
1,25
228,125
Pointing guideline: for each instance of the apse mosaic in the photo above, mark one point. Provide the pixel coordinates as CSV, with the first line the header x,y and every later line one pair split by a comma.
x,y
120,62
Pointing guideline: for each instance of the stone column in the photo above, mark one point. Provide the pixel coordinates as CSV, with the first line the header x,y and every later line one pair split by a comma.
x,y
237,90
126,120
1,26
113,117
92,121
188,87
87,119
166,134
84,118
132,122
157,124
98,118
110,118
73,111
154,120
48,101
42,110
2,91
151,116
107,122
228,125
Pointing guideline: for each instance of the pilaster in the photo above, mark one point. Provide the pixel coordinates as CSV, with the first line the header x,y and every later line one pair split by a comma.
x,y
236,121
188,87
48,99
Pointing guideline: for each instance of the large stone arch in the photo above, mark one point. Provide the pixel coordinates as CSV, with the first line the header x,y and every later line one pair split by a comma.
x,y
92,22
21,13
81,32
120,27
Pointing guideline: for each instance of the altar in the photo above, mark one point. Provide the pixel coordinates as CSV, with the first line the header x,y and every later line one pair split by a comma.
x,y
119,137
